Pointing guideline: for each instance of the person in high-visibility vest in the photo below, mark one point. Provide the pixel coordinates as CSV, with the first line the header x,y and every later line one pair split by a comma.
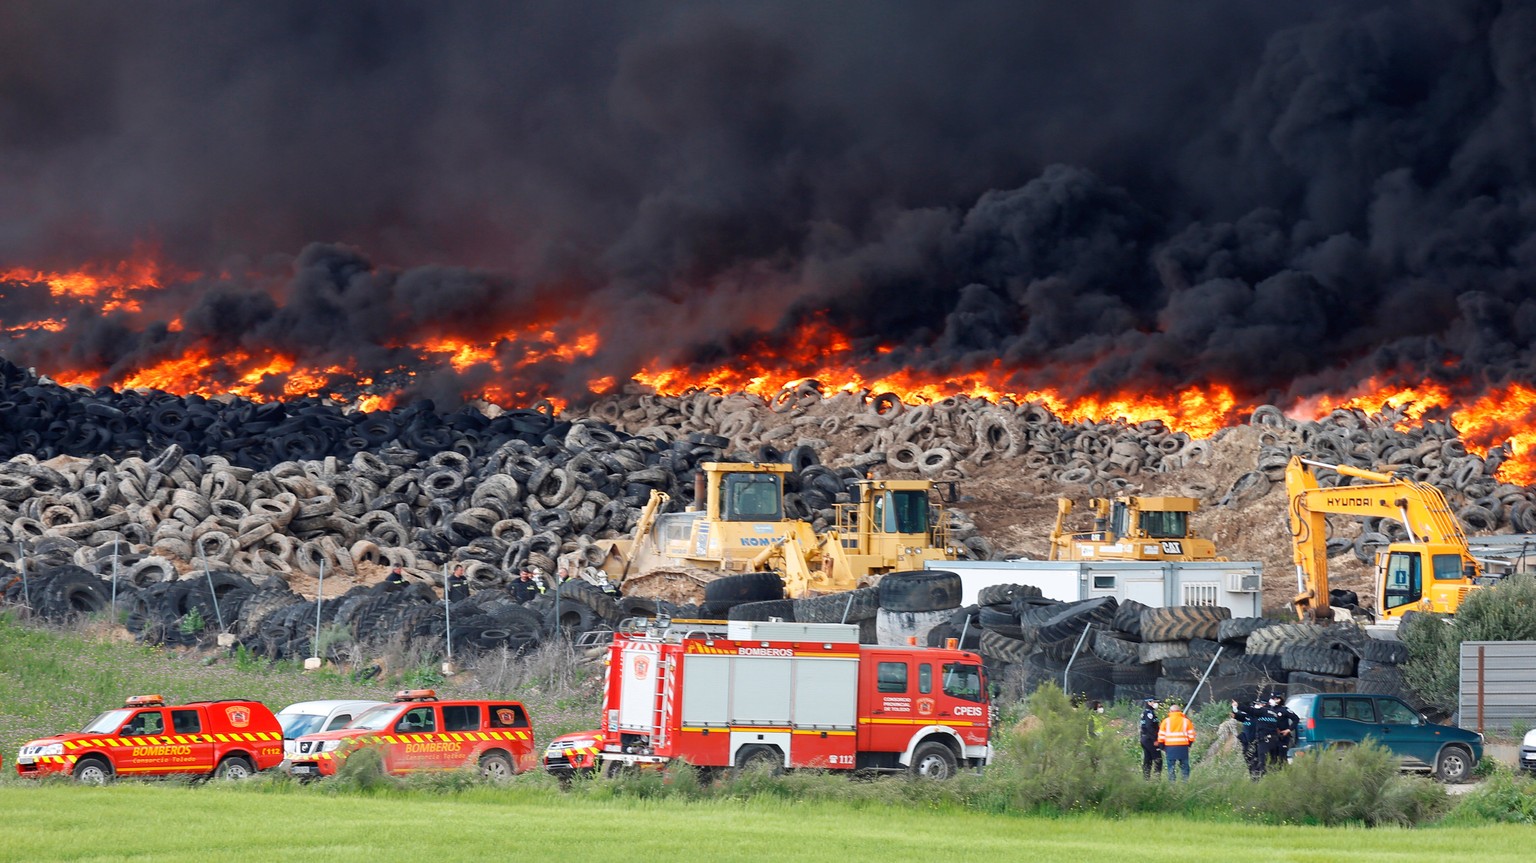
x,y
1176,734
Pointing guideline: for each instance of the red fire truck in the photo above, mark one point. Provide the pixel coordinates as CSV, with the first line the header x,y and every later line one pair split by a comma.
x,y
789,695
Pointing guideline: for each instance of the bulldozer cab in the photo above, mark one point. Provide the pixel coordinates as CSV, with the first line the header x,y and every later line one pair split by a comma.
x,y
903,511
751,497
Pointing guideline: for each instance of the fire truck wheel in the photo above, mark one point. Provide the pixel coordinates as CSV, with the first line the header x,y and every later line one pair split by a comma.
x,y
234,768
759,758
495,767
93,771
934,760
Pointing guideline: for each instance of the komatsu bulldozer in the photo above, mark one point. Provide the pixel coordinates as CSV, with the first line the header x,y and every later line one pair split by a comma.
x,y
1132,528
738,524
1433,570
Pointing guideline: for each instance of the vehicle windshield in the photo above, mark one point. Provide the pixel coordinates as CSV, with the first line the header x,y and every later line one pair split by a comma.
x,y
962,681
299,724
107,722
378,718
1302,707
1165,525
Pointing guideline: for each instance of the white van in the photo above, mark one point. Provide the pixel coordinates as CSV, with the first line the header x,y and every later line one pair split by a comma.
x,y
308,717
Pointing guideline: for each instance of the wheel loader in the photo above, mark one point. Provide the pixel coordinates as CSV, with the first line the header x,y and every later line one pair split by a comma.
x,y
1132,528
737,524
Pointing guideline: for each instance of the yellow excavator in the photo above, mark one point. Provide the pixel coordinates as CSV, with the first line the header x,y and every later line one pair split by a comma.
x,y
1432,571
738,524
1132,528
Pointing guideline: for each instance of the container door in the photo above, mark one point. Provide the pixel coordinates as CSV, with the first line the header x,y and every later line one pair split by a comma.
x,y
637,693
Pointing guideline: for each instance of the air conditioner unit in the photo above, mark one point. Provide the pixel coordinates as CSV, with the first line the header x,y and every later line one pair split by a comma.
x,y
1243,582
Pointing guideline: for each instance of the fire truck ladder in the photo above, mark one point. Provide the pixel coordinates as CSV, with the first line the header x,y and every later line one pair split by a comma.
x,y
663,707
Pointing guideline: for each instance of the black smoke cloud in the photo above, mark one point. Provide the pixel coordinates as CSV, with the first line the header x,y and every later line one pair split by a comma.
x,y
1287,198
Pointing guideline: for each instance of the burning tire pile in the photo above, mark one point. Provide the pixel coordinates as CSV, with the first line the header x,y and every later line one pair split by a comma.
x,y
211,512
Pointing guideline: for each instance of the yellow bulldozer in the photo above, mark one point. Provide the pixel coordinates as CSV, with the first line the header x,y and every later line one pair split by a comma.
x,y
737,524
1132,528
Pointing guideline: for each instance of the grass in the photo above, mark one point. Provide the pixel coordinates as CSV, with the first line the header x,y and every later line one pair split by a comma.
x,y
151,821
54,680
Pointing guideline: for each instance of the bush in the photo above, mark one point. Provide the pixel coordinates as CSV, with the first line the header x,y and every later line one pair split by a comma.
x,y
1349,785
1503,798
1504,612
1056,762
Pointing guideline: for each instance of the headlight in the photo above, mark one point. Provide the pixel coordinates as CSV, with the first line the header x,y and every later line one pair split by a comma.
x,y
45,749
329,745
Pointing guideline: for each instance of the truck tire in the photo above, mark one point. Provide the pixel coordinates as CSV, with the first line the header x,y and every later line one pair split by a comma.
x,y
1182,622
1237,629
1302,682
920,590
850,606
1000,648
234,768
781,608
93,770
1185,667
745,587
1072,618
895,628
999,619
767,758
1454,765
1117,651
496,767
1382,651
934,760
1318,660
1168,689
1128,618
1275,639
1000,594
1157,651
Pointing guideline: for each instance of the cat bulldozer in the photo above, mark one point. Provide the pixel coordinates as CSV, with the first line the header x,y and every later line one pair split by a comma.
x,y
738,524
1132,528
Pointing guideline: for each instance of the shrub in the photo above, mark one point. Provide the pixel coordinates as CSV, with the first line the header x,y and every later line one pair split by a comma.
x,y
1503,798
1349,785
1504,612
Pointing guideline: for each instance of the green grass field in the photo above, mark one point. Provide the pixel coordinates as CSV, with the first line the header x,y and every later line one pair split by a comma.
x,y
169,823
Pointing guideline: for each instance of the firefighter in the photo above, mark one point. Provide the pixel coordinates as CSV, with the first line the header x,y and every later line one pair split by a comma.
x,y
1253,756
1151,750
396,580
1288,722
1176,734
458,584
527,587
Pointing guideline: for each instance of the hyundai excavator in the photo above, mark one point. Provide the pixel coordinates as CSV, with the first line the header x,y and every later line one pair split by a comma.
x,y
1433,570
1132,528
738,524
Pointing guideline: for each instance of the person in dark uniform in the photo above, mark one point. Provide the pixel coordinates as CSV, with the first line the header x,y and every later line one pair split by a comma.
x,y
1265,734
1253,756
526,588
1151,753
396,580
1288,721
458,584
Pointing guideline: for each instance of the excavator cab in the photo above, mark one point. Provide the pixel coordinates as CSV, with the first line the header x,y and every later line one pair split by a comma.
x,y
1415,578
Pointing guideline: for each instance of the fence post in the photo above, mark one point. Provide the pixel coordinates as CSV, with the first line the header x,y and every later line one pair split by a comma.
x,y
319,604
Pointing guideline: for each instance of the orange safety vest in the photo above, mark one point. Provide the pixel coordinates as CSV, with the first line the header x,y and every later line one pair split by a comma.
x,y
1176,730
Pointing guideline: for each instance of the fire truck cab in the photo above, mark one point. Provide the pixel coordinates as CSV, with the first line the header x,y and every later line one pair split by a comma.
x,y
417,732
145,737
790,695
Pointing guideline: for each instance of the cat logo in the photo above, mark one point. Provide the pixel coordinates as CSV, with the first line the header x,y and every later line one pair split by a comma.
x,y
239,717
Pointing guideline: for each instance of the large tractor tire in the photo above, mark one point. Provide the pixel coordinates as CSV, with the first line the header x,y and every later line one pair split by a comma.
x,y
1182,622
921,590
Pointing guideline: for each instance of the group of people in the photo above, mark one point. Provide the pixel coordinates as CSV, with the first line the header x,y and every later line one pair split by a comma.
x,y
1269,730
530,582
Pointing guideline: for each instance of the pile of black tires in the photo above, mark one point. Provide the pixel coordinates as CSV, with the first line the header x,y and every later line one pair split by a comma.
x,y
1108,650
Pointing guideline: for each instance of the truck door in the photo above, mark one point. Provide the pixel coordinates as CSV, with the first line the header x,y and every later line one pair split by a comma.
x,y
963,703
457,746
144,743
408,751
187,730
889,683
